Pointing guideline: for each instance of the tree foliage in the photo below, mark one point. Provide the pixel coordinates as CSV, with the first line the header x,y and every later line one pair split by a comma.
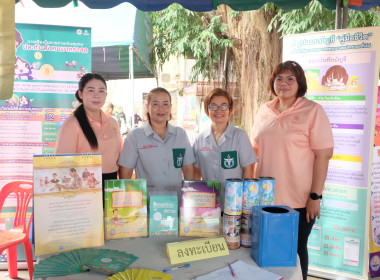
x,y
202,36
177,31
315,17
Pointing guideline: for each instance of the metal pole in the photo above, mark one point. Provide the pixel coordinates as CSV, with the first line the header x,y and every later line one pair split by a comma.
x,y
338,16
131,77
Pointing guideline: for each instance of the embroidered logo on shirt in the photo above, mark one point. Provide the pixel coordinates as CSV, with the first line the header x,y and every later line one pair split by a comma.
x,y
178,155
206,149
147,147
229,159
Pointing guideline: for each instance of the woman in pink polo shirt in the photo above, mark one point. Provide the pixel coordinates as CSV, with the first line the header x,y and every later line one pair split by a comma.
x,y
294,143
89,130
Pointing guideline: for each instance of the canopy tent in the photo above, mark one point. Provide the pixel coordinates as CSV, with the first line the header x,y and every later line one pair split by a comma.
x,y
114,30
7,8
208,5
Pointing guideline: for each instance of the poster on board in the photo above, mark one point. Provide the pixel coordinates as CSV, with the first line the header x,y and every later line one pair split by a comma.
x,y
374,233
49,62
342,68
67,197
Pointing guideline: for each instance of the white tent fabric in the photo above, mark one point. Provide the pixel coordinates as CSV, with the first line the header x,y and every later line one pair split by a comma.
x,y
105,32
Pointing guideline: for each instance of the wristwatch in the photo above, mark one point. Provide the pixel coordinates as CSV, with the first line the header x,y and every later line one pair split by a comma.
x,y
315,196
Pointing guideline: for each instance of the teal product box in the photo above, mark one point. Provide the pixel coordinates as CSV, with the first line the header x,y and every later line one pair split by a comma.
x,y
163,214
274,235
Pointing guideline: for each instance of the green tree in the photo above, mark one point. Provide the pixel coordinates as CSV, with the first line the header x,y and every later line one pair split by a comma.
x,y
252,39
315,17
177,31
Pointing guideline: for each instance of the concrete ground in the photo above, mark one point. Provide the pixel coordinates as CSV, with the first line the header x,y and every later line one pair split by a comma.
x,y
23,275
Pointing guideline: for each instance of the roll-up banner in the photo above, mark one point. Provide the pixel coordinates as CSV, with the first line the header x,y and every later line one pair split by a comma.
x,y
342,70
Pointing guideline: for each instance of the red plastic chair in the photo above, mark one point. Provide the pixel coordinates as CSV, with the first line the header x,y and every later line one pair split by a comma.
x,y
20,231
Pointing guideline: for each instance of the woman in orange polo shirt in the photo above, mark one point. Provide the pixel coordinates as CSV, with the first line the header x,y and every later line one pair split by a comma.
x,y
294,143
89,130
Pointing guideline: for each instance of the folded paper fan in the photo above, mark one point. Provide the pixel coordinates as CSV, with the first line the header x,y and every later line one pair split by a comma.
x,y
145,274
82,260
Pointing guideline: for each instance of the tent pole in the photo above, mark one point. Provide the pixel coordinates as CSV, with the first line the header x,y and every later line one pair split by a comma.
x,y
131,77
338,16
345,17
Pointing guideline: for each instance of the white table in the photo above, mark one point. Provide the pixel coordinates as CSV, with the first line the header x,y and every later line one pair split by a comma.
x,y
152,255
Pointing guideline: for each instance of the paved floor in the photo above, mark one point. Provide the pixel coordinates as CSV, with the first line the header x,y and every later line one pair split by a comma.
x,y
22,274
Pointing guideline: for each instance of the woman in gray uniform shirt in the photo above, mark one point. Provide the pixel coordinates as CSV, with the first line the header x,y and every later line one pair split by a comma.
x,y
222,151
159,152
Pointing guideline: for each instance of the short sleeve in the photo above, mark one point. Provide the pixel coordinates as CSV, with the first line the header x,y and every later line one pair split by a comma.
x,y
189,154
321,136
247,155
120,141
129,154
195,148
259,125
256,124
67,138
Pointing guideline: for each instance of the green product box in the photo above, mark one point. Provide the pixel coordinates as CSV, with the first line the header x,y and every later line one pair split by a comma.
x,y
163,214
125,208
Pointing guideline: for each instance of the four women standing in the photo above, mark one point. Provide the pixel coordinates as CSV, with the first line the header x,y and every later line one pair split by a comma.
x,y
292,137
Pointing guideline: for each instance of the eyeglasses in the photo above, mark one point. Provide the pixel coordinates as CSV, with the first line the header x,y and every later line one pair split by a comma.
x,y
289,80
221,107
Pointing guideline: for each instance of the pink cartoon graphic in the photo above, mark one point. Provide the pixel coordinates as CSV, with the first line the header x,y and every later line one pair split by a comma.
x,y
13,101
335,78
72,64
23,69
81,72
25,101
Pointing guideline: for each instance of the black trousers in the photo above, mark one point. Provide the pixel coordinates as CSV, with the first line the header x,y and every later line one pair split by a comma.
x,y
107,176
304,229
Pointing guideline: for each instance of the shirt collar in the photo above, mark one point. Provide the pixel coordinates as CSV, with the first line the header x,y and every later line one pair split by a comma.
x,y
272,104
149,130
103,117
228,132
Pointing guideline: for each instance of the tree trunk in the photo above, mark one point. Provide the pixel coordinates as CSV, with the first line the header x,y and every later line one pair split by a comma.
x,y
255,52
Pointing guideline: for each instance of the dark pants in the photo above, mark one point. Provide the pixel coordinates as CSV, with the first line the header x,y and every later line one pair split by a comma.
x,y
107,176
304,229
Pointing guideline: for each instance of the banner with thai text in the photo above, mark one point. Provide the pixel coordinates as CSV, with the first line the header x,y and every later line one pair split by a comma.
x,y
49,62
342,68
374,233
